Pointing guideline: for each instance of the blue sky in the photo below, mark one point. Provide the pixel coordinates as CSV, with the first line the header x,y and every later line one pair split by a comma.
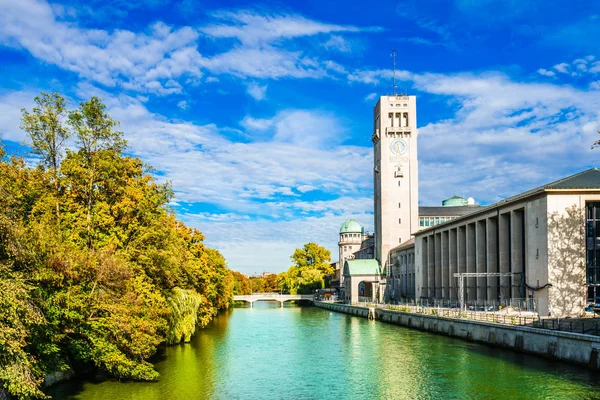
x,y
261,113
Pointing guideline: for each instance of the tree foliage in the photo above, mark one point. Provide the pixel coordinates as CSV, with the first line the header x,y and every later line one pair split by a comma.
x,y
94,267
311,264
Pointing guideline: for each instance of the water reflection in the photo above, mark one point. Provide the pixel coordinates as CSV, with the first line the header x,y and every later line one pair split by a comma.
x,y
268,352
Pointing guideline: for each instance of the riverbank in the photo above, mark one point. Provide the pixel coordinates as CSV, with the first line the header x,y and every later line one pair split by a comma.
x,y
563,346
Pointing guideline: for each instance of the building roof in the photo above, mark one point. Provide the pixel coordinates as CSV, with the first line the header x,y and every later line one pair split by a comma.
x,y
406,245
351,226
361,267
585,180
588,179
447,211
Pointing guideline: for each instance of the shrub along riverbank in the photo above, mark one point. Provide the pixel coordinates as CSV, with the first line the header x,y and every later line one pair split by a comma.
x,y
95,270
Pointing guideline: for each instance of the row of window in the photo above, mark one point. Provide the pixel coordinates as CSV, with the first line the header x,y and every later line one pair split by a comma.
x,y
406,258
351,235
398,119
433,221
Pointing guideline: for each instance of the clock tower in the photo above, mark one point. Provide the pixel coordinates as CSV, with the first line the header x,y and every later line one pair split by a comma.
x,y
395,174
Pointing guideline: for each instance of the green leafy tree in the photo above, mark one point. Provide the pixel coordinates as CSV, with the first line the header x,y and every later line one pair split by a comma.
x,y
241,284
311,264
45,125
99,146
103,280
314,256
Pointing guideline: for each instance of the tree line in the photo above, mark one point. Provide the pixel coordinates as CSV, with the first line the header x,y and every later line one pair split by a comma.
x,y
311,270
95,269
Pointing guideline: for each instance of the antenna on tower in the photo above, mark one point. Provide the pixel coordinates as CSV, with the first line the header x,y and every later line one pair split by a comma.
x,y
393,55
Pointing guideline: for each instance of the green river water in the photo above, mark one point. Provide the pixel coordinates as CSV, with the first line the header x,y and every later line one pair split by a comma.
x,y
269,352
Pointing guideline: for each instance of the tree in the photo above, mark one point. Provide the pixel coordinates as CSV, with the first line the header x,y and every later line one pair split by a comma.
x,y
98,143
311,264
45,126
314,256
110,279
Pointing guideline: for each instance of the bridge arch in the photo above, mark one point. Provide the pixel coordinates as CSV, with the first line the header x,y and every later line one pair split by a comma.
x,y
281,298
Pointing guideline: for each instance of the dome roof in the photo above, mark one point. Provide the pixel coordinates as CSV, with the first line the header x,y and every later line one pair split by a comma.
x,y
454,201
351,226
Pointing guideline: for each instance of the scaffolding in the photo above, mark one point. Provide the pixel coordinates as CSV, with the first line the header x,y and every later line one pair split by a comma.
x,y
463,275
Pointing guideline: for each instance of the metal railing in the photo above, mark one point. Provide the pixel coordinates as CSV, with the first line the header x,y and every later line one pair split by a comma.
x,y
506,316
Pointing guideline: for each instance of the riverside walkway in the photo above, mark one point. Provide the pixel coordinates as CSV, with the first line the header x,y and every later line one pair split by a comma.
x,y
281,298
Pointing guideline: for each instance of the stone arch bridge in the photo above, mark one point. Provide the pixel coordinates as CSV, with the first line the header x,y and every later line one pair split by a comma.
x,y
281,298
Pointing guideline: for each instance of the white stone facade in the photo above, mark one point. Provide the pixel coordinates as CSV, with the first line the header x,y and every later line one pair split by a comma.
x,y
395,173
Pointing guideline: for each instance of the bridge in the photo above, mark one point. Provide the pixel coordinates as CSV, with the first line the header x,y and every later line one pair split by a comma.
x,y
281,298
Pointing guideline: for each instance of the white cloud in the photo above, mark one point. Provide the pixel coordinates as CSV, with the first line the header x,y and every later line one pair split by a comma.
x,y
506,136
252,28
306,128
146,62
10,114
577,68
562,68
183,105
156,60
256,91
545,72
256,124
336,42
370,96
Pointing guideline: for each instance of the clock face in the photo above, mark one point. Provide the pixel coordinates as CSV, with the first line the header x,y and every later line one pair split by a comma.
x,y
398,146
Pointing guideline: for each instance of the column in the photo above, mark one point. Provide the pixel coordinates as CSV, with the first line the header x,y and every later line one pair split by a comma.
x,y
471,286
445,267
430,266
423,267
517,230
480,240
452,262
492,258
438,266
461,250
504,250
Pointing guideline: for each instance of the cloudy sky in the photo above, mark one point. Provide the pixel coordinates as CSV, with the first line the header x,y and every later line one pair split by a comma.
x,y
260,114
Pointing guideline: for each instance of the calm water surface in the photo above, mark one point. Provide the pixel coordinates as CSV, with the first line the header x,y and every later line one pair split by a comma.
x,y
309,353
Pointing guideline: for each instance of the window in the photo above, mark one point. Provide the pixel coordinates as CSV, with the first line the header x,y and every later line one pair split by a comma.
x,y
421,222
391,119
593,251
399,220
399,240
399,205
398,183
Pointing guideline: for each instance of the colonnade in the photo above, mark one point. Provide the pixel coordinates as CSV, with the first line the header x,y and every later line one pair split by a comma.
x,y
491,244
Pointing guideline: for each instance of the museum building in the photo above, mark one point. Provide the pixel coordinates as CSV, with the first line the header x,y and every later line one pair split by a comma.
x,y
540,247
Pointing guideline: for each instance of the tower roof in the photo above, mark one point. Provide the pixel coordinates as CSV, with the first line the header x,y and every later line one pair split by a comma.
x,y
351,226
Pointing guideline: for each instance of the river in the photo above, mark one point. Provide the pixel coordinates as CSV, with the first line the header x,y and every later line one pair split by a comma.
x,y
269,352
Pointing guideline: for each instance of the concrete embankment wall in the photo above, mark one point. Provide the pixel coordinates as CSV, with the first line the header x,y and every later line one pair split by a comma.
x,y
564,346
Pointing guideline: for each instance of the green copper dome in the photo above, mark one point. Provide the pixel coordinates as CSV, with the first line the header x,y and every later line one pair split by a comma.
x,y
351,226
454,201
